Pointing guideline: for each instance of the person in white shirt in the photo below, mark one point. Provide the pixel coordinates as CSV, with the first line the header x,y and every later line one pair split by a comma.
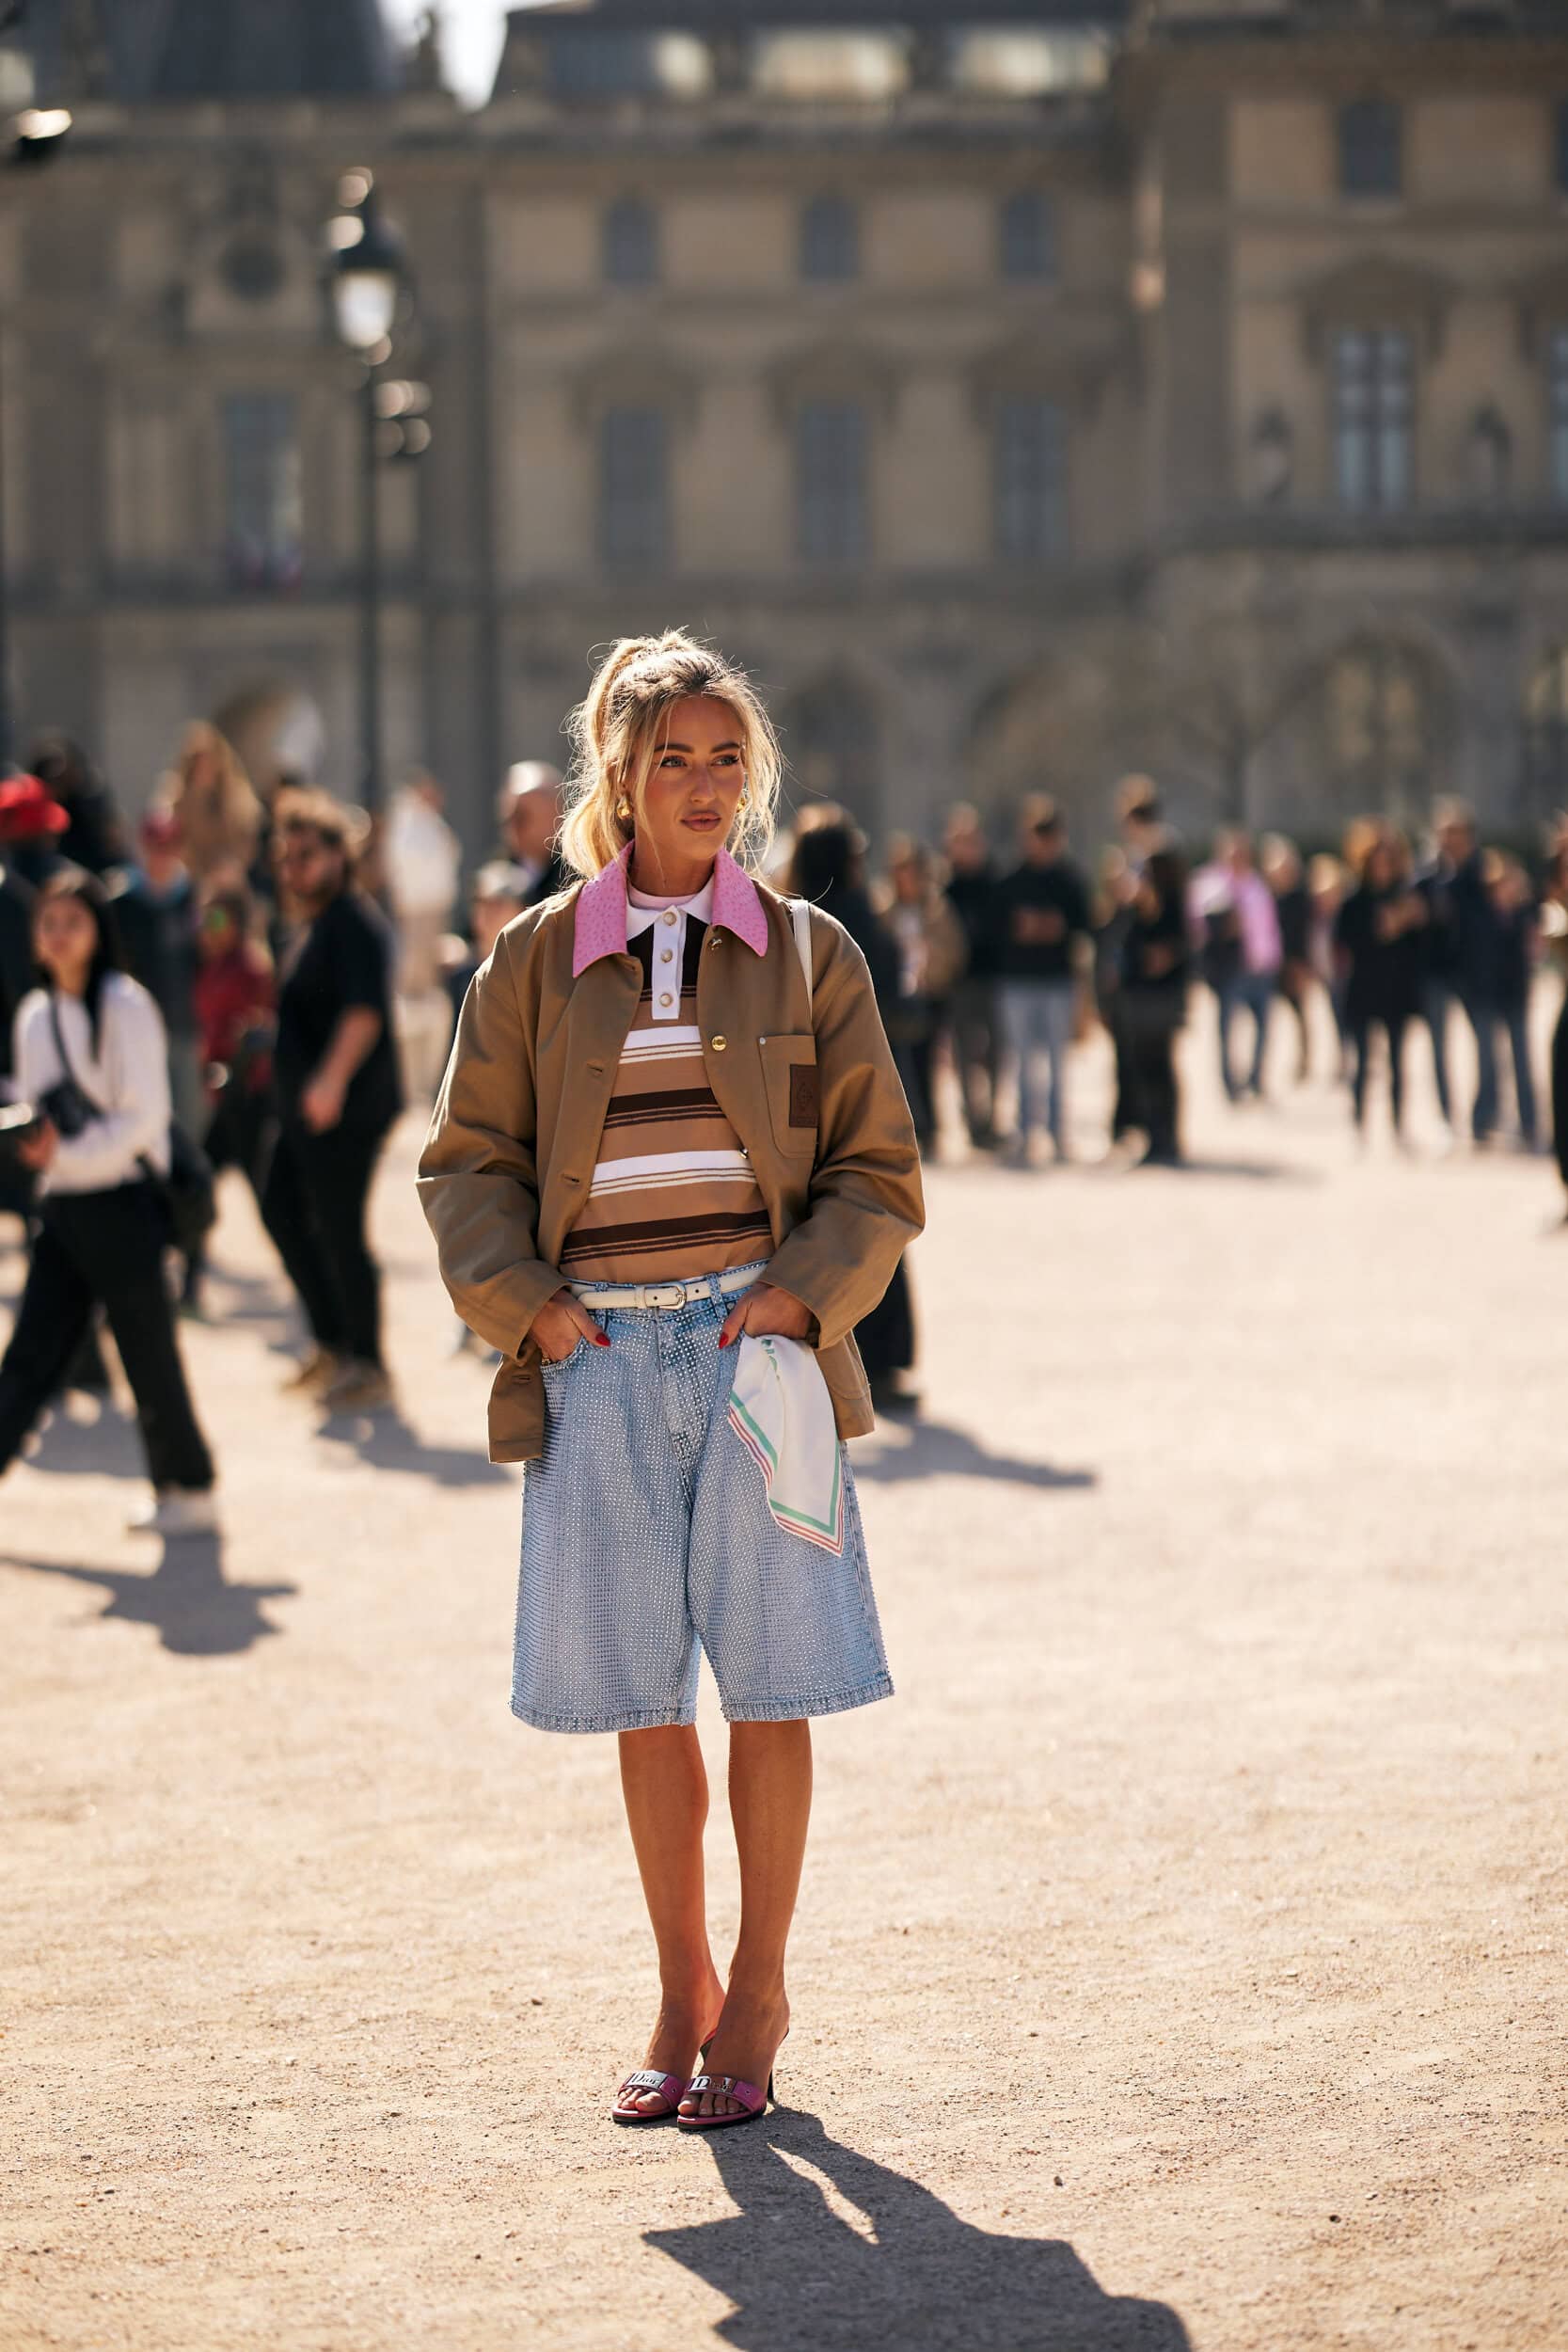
x,y
90,1055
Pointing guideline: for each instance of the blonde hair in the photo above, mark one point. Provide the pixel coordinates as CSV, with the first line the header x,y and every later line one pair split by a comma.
x,y
617,729
220,821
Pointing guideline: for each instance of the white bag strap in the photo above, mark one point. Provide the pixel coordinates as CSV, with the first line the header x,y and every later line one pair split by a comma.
x,y
799,914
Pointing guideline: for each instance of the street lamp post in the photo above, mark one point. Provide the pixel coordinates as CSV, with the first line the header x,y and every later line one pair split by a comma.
x,y
33,137
369,278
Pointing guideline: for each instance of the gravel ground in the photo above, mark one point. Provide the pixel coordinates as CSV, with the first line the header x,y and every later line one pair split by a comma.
x,y
1180,1954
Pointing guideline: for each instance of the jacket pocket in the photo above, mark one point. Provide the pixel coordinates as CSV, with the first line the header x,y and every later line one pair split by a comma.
x,y
790,1075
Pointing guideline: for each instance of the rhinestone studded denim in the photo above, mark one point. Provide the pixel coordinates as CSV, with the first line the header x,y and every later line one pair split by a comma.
x,y
647,1540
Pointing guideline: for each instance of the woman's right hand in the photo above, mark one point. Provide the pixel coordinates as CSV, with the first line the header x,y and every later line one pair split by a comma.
x,y
561,1323
38,1150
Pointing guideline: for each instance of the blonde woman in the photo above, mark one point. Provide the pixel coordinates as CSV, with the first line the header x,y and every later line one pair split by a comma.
x,y
671,1166
211,799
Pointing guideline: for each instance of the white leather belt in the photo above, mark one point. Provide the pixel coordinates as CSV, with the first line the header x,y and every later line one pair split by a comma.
x,y
666,1294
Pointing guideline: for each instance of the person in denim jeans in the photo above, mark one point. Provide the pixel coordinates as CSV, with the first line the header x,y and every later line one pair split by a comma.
x,y
1044,916
1514,899
1230,895
670,1128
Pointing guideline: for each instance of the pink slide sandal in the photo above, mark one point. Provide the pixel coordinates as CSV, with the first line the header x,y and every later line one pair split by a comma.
x,y
753,2102
669,2087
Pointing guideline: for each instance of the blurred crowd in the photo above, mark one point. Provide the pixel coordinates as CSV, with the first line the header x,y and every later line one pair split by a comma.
x,y
993,962
258,978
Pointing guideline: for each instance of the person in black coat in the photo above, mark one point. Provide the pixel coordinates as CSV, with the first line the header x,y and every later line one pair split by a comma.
x,y
1155,962
825,870
973,1033
339,1090
1473,948
1381,939
95,835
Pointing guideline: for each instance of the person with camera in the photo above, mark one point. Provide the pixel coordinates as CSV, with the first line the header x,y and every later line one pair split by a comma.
x,y
92,1067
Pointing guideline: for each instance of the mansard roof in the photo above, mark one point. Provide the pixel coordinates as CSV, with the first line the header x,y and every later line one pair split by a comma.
x,y
248,49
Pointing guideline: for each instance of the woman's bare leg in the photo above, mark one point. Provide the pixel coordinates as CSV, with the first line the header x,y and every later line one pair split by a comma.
x,y
665,1788
770,1807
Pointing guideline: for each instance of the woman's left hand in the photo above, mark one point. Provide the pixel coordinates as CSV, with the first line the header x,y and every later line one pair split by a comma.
x,y
765,1308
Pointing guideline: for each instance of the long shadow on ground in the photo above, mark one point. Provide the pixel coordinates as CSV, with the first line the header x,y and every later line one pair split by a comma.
x,y
805,2279
198,1612
936,1450
385,1440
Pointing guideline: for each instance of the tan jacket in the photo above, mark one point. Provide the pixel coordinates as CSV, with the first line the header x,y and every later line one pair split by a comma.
x,y
515,1131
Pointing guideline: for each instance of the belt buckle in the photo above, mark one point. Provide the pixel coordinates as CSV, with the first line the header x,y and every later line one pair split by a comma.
x,y
663,1294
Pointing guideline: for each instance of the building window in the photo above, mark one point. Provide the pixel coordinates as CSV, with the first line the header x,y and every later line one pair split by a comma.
x,y
831,482
630,244
1031,481
1556,412
830,240
1028,236
1372,161
633,488
1373,419
1380,729
265,521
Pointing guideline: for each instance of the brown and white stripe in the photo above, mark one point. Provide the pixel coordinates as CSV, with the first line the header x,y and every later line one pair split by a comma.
x,y
673,1193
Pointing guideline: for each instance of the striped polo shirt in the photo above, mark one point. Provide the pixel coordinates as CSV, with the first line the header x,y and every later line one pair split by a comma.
x,y
673,1192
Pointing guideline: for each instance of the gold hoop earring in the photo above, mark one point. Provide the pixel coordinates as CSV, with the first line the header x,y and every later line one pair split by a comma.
x,y
622,810
745,800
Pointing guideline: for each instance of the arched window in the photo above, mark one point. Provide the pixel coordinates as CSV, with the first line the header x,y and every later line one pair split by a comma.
x,y
1378,729
1031,481
1557,413
829,734
1027,237
832,491
829,241
1371,148
1546,735
630,243
634,504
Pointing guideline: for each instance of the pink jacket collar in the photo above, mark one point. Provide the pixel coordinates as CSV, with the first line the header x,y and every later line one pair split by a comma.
x,y
600,926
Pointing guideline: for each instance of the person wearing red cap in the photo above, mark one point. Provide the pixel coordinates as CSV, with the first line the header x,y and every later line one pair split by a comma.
x,y
32,825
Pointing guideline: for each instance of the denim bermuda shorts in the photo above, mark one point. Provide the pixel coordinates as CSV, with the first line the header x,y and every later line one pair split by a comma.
x,y
647,1539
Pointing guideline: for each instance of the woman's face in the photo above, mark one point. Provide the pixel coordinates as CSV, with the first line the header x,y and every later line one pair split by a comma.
x,y
66,939
694,785
907,888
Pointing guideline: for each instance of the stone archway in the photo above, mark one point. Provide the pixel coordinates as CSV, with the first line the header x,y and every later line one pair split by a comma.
x,y
831,733
1545,777
1376,730
278,731
1052,729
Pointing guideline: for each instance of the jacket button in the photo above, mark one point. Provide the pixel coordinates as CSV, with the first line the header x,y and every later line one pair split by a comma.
x,y
716,941
719,1043
568,1179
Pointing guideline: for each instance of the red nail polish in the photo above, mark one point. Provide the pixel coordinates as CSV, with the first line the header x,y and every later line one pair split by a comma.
x,y
601,1339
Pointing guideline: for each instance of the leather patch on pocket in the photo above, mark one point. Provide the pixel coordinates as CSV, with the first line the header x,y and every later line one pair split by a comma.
x,y
806,1093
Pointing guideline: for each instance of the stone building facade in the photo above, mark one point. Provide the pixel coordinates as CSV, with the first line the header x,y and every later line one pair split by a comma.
x,y
1024,391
